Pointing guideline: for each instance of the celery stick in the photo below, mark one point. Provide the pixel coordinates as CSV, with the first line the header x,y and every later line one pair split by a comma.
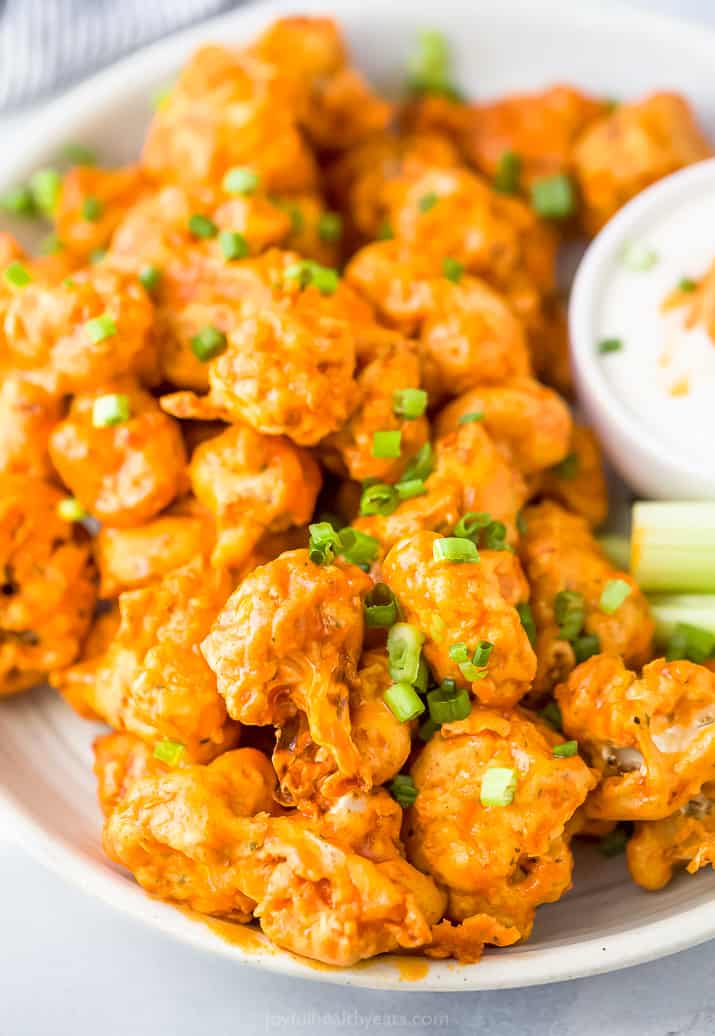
x,y
617,549
673,546
668,610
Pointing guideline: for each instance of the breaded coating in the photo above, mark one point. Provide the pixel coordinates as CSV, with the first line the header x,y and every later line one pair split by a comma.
x,y
27,416
227,110
350,450
453,603
51,331
651,737
288,640
541,128
623,153
91,204
123,473
560,554
500,861
530,422
685,839
129,559
153,680
119,761
252,484
47,583
76,682
578,482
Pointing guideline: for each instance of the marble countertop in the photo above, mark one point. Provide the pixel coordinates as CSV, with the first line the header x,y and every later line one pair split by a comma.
x,y
71,965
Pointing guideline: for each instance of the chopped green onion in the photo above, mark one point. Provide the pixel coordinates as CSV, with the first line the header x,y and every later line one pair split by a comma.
x,y
673,546
380,607
404,647
568,468
690,642
482,653
473,668
330,226
471,525
379,498
521,523
403,701
472,417
569,613
565,750
110,410
456,549
149,277
614,843
551,714
18,201
408,490
161,96
357,547
610,345
240,181
387,445
498,786
403,790
585,646
79,154
447,705
613,595
508,173
429,65
617,549
202,226
307,272
638,257
96,255
71,510
168,751
17,275
527,621
409,403
421,464
495,536
101,327
678,614
385,231
423,677
687,284
427,201
233,245
553,197
452,270
427,729
459,652
92,209
208,343
45,186
324,543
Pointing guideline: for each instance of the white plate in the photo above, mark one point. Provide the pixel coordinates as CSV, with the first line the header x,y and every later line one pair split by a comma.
x,y
45,764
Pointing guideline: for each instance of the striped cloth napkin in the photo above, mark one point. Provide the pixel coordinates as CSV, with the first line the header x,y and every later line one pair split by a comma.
x,y
45,45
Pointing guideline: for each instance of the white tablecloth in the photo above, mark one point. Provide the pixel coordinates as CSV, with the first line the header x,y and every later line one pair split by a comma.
x,y
70,966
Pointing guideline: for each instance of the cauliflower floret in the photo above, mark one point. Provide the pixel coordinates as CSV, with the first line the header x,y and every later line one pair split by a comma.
x,y
27,416
684,839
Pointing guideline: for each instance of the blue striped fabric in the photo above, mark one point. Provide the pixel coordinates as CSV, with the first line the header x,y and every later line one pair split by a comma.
x,y
47,44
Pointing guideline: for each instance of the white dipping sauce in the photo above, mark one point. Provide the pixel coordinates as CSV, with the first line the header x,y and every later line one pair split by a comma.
x,y
664,373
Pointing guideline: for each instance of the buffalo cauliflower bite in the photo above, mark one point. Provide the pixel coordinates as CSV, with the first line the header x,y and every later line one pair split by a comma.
x,y
47,583
684,839
578,481
75,683
561,557
27,416
288,641
530,422
123,472
252,484
624,152
462,603
153,680
119,761
91,327
91,205
652,737
540,127
497,861
350,450
228,110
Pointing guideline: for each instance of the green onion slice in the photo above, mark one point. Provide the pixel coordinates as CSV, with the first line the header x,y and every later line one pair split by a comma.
x,y
471,418
18,201
421,464
403,790
308,272
71,510
385,232
233,245
613,595
553,197
687,284
387,444
527,621
45,186
169,751
17,275
690,642
471,525
427,729
614,843
508,173
610,345
456,549
427,201
330,226
403,701
448,705
378,498
452,270
240,181
569,613
324,543
408,490
92,209
404,649
100,328
202,227
585,646
495,536
149,277
110,410
409,403
208,343
498,786
565,750
429,65
380,607
568,468
551,714
357,547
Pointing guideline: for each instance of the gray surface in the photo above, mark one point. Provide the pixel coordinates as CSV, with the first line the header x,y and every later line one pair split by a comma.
x,y
70,965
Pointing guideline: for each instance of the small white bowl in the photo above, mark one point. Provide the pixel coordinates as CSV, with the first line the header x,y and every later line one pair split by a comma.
x,y
649,462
